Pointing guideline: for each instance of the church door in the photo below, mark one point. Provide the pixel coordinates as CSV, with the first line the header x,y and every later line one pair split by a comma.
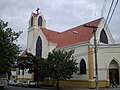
x,y
114,72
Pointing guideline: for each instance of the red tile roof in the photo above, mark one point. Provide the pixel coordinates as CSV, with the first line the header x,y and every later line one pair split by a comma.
x,y
24,53
51,36
72,36
35,14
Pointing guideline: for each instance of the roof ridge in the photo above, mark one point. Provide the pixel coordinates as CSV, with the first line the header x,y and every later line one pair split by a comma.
x,y
49,29
82,24
93,20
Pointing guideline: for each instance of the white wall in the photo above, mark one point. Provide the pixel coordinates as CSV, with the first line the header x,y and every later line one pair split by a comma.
x,y
52,46
26,74
45,44
105,56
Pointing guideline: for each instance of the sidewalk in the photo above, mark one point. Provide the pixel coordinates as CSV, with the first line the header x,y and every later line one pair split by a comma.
x,y
54,88
110,88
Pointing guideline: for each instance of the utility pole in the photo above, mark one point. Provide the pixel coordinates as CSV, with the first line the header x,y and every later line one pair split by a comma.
x,y
95,51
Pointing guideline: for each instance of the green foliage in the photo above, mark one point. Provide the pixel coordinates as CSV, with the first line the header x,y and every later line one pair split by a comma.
x,y
61,64
8,48
32,63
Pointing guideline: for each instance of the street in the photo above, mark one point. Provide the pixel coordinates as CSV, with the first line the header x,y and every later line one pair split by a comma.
x,y
22,88
25,88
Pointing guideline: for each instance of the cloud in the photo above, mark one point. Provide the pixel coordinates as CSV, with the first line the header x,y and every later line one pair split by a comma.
x,y
60,15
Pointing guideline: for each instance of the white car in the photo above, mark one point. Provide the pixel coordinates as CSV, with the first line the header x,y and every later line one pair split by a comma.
x,y
25,83
12,82
19,83
31,84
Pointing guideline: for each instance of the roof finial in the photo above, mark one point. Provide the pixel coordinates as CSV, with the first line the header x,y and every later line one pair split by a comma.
x,y
37,10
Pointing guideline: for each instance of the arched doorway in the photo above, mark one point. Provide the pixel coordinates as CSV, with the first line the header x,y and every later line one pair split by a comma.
x,y
114,71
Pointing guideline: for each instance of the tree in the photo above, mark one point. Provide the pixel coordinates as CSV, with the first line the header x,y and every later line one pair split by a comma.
x,y
61,65
9,50
34,65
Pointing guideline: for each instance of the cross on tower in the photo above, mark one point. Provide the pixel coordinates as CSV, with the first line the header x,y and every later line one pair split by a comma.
x,y
37,10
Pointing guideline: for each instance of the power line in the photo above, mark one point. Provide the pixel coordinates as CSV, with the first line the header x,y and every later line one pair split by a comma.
x,y
105,22
113,12
109,13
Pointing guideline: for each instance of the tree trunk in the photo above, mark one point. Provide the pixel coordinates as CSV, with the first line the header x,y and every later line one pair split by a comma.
x,y
36,76
57,85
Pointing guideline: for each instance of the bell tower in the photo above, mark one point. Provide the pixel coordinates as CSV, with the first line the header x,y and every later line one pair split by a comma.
x,y
36,22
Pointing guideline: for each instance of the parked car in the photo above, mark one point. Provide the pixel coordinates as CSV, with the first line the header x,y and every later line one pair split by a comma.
x,y
31,84
25,83
12,82
19,83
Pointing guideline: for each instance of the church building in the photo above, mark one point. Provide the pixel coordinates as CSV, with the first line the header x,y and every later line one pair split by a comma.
x,y
41,41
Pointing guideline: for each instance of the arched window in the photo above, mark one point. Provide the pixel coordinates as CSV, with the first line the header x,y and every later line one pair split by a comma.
x,y
82,67
40,21
31,21
39,47
103,37
39,76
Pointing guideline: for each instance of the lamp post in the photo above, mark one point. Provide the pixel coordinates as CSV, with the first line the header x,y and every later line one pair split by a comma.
x,y
95,51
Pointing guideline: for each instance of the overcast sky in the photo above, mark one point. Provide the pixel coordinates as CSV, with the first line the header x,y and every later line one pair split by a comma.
x,y
60,15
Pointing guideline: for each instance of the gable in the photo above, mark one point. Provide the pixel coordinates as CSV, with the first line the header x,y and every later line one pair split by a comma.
x,y
103,34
